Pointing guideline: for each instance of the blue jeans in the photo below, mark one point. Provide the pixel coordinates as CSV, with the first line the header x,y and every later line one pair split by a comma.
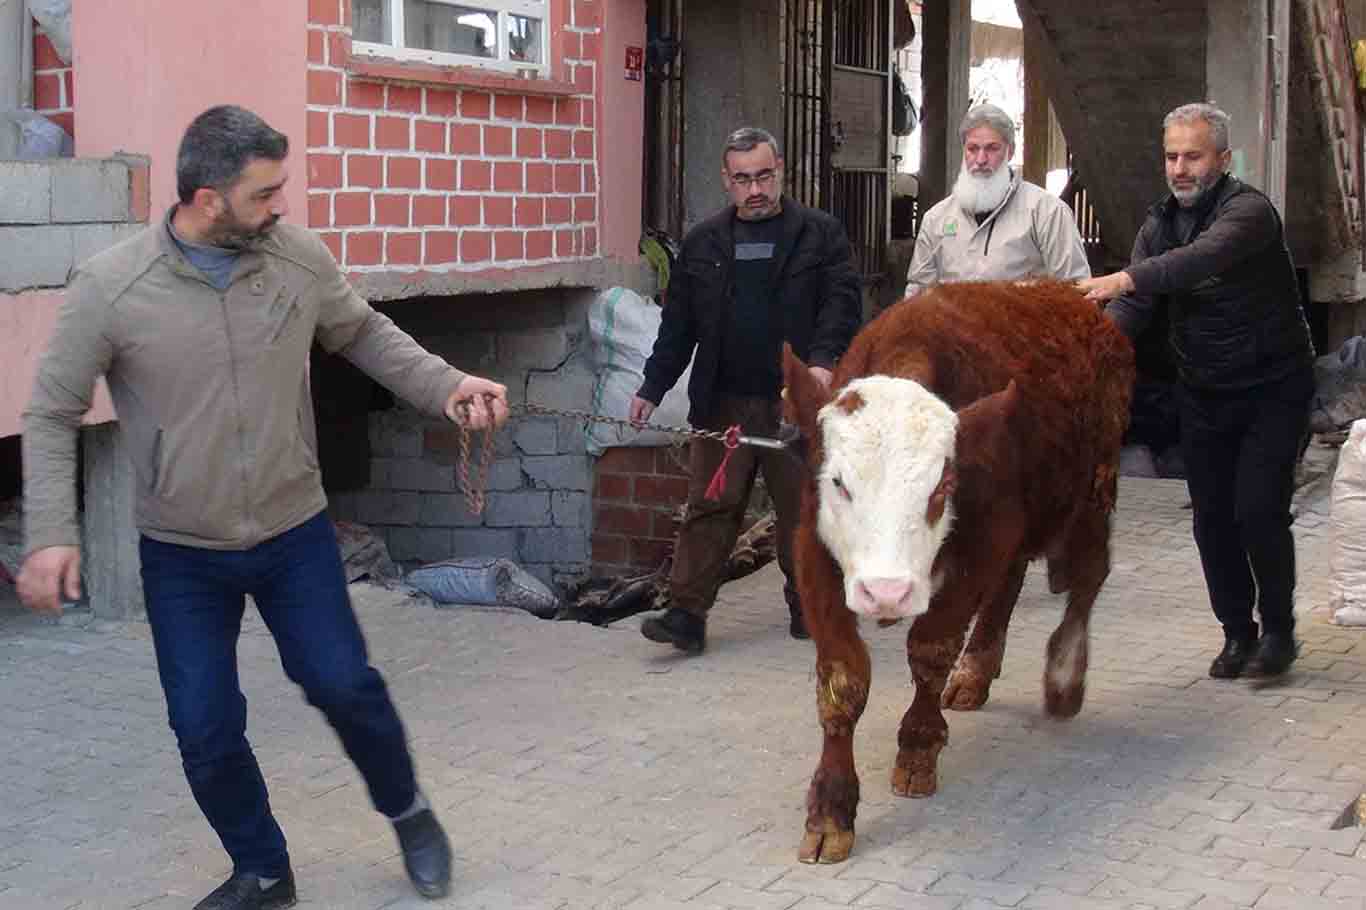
x,y
195,599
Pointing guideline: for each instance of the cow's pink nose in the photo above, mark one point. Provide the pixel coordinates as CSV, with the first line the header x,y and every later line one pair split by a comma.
x,y
882,595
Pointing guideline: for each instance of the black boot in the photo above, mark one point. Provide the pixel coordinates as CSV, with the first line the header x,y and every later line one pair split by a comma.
x,y
426,853
244,892
1233,659
675,626
1275,653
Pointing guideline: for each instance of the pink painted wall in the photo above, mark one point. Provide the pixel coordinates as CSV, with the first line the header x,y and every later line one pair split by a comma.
x,y
26,321
146,68
621,116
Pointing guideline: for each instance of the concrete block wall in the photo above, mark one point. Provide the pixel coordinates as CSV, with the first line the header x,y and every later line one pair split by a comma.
x,y
56,213
54,85
538,497
407,171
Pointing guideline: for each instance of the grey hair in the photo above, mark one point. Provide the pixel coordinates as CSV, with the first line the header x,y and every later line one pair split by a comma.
x,y
218,146
988,115
1218,121
747,138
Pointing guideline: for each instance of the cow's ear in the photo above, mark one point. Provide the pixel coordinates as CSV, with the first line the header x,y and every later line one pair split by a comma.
x,y
803,396
984,428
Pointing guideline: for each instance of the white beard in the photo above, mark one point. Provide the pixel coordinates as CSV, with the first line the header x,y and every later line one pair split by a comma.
x,y
981,194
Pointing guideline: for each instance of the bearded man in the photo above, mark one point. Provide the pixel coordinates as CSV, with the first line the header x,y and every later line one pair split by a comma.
x,y
995,226
1213,253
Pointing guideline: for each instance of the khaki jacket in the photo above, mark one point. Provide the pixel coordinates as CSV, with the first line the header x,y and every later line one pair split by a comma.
x,y
1032,232
211,388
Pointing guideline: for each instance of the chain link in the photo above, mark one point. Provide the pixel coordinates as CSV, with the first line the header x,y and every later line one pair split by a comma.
x,y
473,488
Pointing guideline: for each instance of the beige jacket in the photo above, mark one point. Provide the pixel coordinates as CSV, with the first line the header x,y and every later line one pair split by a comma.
x,y
1032,232
211,388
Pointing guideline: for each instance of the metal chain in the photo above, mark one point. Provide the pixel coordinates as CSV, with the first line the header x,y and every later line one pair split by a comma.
x,y
474,489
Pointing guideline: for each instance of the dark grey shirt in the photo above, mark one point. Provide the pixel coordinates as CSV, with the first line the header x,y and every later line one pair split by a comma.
x,y
215,262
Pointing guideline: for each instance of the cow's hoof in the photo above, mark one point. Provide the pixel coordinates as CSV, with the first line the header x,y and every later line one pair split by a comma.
x,y
1063,703
825,846
915,784
967,690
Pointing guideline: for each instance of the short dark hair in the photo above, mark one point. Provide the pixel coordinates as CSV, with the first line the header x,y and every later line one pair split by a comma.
x,y
219,145
747,138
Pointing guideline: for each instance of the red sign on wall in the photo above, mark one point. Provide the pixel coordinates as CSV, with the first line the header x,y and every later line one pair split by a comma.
x,y
635,63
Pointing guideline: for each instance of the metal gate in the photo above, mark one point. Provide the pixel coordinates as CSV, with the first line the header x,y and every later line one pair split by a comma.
x,y
663,190
836,92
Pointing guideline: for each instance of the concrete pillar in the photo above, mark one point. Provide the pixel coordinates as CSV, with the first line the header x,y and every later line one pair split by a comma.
x,y
113,577
1037,135
945,62
16,69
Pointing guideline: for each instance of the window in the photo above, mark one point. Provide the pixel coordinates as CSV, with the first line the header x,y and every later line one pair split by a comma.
x,y
502,34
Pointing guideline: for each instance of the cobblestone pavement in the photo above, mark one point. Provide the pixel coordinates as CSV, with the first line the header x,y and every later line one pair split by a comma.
x,y
579,767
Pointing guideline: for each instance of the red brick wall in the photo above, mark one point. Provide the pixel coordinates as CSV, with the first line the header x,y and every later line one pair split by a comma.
x,y
408,176
636,495
54,92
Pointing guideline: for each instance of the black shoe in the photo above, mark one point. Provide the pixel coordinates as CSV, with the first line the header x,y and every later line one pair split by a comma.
x,y
244,892
675,626
1233,659
426,853
797,628
1275,654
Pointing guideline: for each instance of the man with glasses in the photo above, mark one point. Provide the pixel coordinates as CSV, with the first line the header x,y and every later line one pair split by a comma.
x,y
994,226
763,271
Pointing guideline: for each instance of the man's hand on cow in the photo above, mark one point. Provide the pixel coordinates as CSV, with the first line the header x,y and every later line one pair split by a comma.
x,y
821,375
478,402
640,410
1107,287
47,576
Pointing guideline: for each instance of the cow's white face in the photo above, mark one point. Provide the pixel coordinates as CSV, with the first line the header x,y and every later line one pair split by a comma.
x,y
885,492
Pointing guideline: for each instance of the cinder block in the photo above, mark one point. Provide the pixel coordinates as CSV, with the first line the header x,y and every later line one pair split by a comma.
x,y
506,475
418,544
518,510
557,545
413,474
34,257
571,510
537,349
559,472
537,436
448,510
88,240
385,507
570,388
87,190
483,542
25,193
393,437
570,436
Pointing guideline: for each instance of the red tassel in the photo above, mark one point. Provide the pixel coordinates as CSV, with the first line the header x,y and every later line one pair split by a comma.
x,y
717,487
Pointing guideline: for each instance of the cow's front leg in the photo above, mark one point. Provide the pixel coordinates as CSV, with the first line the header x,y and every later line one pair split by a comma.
x,y
843,670
932,645
980,663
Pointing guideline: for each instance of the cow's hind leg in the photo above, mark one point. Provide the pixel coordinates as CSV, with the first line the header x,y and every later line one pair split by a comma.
x,y
932,644
1085,566
970,684
843,671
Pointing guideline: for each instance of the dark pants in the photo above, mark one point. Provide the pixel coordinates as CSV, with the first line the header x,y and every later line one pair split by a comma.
x,y
195,599
1240,450
709,531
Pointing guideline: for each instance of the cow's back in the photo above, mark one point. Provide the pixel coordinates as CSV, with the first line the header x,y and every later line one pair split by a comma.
x,y
1073,369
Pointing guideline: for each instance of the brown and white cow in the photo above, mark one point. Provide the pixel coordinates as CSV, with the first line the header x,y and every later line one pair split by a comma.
x,y
969,430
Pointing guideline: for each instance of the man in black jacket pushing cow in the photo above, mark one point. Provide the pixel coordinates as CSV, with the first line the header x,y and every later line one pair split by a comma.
x,y
1213,252
763,271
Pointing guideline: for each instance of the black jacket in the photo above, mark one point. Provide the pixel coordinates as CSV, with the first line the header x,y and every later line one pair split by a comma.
x,y
1229,287
814,286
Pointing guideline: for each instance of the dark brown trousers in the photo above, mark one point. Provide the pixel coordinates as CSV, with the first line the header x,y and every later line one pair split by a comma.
x,y
709,532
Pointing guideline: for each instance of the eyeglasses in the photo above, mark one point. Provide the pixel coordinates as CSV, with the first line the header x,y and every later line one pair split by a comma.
x,y
762,179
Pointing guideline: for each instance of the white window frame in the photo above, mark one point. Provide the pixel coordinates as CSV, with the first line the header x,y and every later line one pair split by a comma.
x,y
536,9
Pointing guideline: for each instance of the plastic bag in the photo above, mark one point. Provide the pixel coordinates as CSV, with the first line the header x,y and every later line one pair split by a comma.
x,y
55,18
623,326
484,581
1348,522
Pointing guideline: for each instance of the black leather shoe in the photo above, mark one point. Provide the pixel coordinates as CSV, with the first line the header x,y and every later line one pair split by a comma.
x,y
797,628
685,631
244,892
1233,659
1275,653
426,853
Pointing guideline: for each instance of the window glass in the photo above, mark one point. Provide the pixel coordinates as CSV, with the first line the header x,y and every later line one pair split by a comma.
x,y
370,21
451,29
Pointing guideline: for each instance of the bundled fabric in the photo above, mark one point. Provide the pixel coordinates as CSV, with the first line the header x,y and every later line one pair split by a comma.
x,y
484,581
1349,531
